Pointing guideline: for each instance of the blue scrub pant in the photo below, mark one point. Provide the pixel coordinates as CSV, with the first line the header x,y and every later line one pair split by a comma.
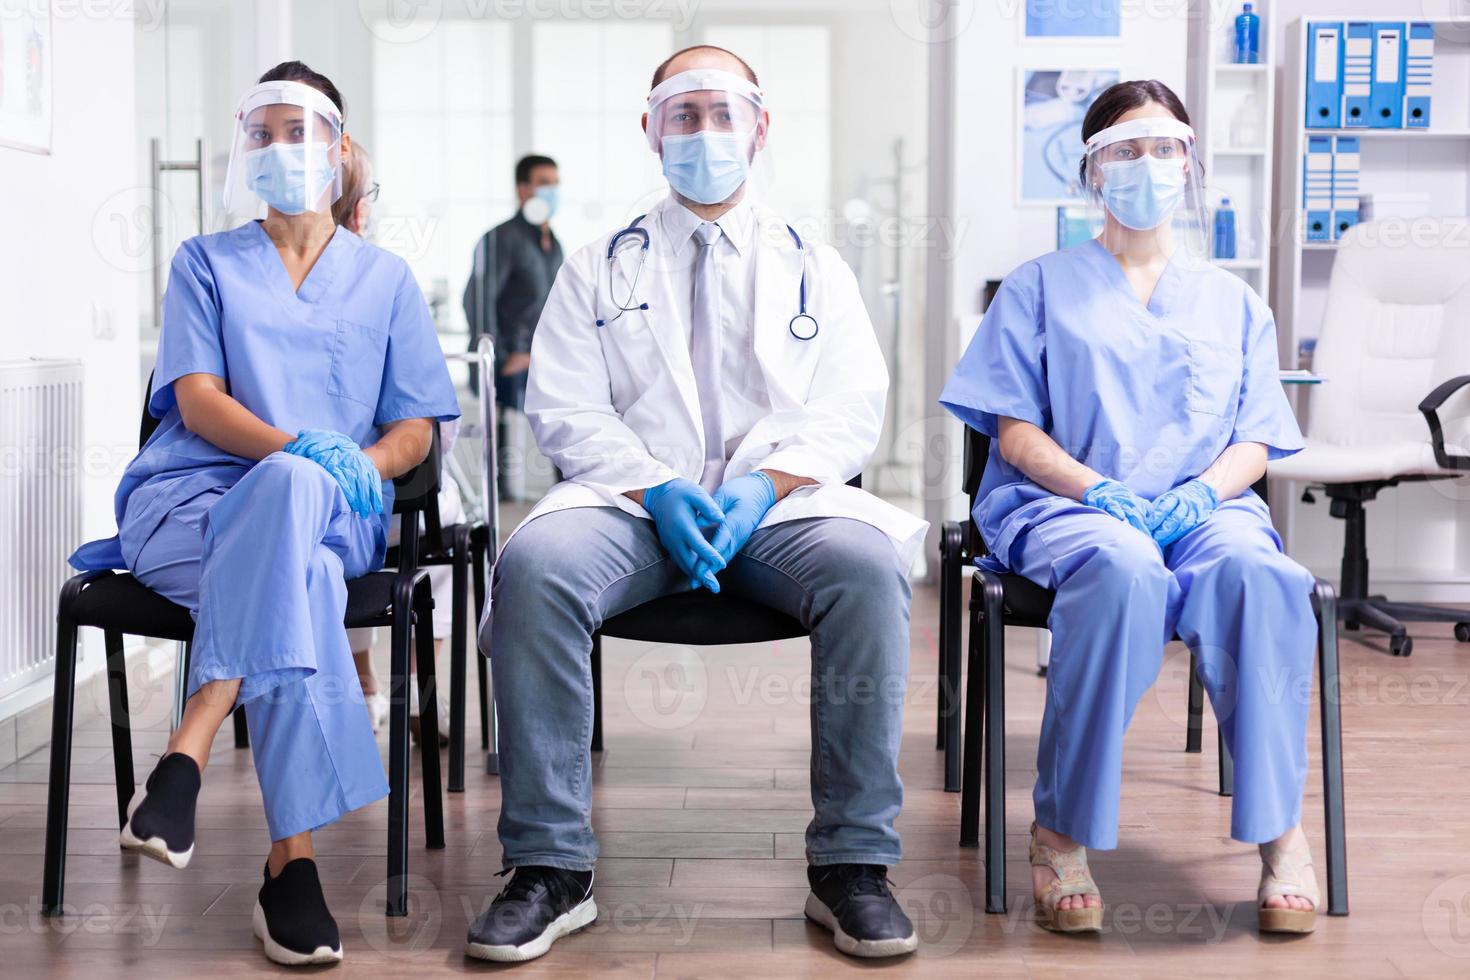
x,y
1230,594
566,572
263,568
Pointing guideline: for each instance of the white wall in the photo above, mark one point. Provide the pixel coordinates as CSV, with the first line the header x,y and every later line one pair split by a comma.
x,y
70,240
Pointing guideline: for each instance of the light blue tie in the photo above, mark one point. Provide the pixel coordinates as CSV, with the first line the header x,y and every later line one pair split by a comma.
x,y
704,351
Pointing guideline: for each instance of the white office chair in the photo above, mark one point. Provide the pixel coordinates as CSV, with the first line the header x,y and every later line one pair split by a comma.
x,y
1395,350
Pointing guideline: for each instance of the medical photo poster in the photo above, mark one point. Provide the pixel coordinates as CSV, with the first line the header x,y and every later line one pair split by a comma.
x,y
1052,105
25,76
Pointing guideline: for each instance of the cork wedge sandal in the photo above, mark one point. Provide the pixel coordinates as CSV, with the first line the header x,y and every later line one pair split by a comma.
x,y
1286,870
1072,878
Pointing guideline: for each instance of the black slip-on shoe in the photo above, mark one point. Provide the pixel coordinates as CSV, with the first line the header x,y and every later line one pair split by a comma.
x,y
538,907
291,918
161,814
854,903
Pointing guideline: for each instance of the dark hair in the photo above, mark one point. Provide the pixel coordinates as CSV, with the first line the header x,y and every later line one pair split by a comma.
x,y
297,71
1123,97
662,70
527,165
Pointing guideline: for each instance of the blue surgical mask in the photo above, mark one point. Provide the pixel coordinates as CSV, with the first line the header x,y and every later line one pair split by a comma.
x,y
551,194
1143,193
708,166
277,174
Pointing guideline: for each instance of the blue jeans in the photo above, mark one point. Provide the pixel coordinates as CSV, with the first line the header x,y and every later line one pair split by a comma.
x,y
566,572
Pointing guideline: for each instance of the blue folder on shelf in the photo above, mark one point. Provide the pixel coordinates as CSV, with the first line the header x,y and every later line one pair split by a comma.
x,y
1345,169
1386,105
1418,75
1317,190
1324,75
1357,72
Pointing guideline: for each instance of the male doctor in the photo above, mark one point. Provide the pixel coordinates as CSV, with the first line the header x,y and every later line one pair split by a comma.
x,y
707,383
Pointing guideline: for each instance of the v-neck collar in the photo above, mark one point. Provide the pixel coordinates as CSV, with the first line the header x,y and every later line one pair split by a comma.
x,y
1165,290
318,280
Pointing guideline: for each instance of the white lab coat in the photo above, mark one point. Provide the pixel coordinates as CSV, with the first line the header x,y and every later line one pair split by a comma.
x,y
616,407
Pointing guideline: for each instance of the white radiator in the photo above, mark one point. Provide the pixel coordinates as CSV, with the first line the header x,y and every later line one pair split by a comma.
x,y
40,508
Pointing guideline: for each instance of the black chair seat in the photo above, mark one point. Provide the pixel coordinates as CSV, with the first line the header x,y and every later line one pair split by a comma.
x,y
123,604
702,619
1027,604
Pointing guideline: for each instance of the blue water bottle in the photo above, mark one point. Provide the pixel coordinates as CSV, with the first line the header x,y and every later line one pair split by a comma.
x,y
1247,37
1225,230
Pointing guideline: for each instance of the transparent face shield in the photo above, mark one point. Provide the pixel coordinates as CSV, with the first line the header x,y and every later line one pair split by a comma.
x,y
287,151
706,124
1145,186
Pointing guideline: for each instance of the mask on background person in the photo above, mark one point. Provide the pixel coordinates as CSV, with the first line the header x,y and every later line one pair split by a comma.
x,y
542,205
707,166
278,175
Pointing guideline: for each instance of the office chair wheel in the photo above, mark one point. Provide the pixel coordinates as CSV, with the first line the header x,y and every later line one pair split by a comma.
x,y
1462,632
1401,645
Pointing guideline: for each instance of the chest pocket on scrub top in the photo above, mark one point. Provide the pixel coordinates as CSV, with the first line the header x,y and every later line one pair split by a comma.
x,y
1214,377
358,353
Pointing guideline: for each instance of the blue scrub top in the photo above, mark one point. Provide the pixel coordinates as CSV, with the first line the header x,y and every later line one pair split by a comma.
x,y
1149,396
353,349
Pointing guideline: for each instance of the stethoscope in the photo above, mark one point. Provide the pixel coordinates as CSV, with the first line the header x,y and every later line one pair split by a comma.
x,y
803,325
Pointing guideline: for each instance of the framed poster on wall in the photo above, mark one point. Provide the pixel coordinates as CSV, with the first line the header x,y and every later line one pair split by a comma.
x,y
1072,20
25,75
1051,107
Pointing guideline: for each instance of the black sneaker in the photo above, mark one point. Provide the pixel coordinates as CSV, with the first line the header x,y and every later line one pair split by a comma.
x,y
291,917
538,907
853,902
161,814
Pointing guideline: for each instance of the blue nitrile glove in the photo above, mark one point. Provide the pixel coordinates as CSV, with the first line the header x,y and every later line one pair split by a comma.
x,y
345,461
1115,499
1181,510
679,507
745,501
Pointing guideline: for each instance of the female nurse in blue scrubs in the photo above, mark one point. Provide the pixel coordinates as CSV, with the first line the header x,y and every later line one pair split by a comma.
x,y
298,372
1132,395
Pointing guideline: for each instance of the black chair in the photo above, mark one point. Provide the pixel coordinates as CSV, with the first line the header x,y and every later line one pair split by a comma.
x,y
1001,600
465,548
118,604
698,618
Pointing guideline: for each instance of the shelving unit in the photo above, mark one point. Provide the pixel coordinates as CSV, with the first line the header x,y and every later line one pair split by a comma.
x,y
1413,532
1219,103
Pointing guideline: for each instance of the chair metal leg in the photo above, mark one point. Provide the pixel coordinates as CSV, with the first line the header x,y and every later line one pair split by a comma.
x,y
995,748
946,614
950,632
478,547
597,692
398,748
58,795
1195,723
459,609
122,735
242,729
1227,766
423,620
974,724
1332,789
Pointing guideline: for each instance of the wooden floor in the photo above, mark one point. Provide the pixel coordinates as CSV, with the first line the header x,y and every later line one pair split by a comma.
x,y
701,800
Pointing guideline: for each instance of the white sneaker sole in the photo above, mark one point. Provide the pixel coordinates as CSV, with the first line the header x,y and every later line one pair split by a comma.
x,y
867,948
567,923
154,847
277,953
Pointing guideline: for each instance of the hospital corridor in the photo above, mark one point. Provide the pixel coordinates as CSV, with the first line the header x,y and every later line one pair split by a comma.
x,y
712,488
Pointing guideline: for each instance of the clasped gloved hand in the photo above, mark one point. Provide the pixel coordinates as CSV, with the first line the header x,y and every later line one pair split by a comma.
x,y
345,461
745,501
1114,498
1177,512
679,508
